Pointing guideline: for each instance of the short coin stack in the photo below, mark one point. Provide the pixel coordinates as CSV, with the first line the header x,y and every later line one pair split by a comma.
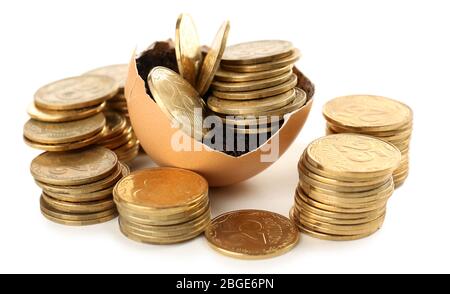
x,y
119,137
162,205
256,86
77,185
381,117
345,183
125,143
66,114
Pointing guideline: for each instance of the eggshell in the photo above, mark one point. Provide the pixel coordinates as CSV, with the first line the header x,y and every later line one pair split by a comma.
x,y
154,131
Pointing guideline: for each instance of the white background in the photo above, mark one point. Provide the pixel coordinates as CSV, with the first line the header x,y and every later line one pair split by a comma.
x,y
398,49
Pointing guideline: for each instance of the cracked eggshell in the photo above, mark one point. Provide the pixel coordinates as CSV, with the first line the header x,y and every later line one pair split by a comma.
x,y
154,131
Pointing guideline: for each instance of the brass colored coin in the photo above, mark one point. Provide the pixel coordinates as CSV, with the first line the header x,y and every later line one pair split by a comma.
x,y
353,156
115,124
335,221
118,72
65,132
397,135
236,77
252,234
83,197
128,157
257,130
79,223
177,99
63,115
161,188
367,113
300,99
74,207
258,94
252,85
250,107
187,48
75,167
130,145
76,92
120,172
243,121
118,141
257,52
212,59
48,210
66,146
288,60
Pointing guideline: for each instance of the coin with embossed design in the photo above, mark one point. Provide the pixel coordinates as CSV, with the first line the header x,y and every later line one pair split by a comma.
x,y
64,132
187,48
252,234
76,92
212,59
74,167
257,52
118,72
63,116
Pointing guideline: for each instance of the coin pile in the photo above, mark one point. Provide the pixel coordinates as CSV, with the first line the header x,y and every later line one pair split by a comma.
x,y
119,137
67,114
345,183
123,142
77,185
162,205
252,234
381,117
256,86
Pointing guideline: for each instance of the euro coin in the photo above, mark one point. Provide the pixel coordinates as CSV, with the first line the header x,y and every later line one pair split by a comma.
x,y
260,234
257,52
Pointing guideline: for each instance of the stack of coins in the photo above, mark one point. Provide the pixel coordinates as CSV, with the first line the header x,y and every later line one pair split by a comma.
x,y
162,205
119,137
381,117
255,86
345,183
77,185
124,144
66,114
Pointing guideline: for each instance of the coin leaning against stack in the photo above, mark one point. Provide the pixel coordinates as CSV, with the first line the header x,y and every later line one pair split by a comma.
x,y
67,114
162,205
77,185
129,147
345,183
255,86
377,116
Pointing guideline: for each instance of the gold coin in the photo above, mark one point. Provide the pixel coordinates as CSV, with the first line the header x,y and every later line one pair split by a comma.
x,y
251,120
300,99
66,146
128,157
235,77
178,100
161,188
250,107
48,210
118,72
257,52
130,145
288,60
257,130
187,48
74,207
64,132
367,113
63,116
353,155
257,94
75,167
402,134
252,234
212,59
79,223
252,85
118,141
121,171
335,221
115,124
76,92
82,197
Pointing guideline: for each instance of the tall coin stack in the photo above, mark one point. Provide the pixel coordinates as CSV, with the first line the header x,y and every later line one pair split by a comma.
x,y
77,185
162,205
124,143
67,114
345,183
255,87
381,117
